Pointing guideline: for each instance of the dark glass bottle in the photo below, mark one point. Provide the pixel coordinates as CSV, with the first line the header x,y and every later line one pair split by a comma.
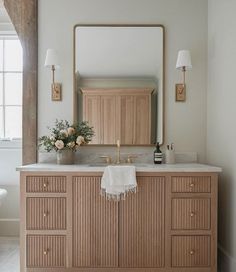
x,y
158,155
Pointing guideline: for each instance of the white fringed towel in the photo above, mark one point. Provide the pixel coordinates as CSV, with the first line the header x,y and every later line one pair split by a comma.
x,y
117,181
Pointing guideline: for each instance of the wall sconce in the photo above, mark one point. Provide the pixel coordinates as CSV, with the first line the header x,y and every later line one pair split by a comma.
x,y
183,63
52,62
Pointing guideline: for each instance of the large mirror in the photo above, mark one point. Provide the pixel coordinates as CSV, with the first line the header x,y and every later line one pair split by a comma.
x,y
119,82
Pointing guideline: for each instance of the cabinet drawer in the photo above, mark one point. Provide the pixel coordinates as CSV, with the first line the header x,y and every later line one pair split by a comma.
x,y
191,213
45,251
45,184
44,213
198,184
191,251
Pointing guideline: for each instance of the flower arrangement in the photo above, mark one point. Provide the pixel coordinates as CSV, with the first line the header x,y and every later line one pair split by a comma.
x,y
67,137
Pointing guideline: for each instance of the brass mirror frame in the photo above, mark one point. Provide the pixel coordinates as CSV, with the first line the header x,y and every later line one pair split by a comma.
x,y
75,104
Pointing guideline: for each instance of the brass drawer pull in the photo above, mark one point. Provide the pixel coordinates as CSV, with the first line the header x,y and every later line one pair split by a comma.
x,y
45,214
192,184
45,185
192,252
46,252
192,214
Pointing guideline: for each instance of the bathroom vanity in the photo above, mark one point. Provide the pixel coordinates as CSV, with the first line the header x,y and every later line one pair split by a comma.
x,y
170,224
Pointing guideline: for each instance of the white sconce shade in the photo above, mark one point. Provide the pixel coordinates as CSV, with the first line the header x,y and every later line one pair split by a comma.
x,y
51,59
184,60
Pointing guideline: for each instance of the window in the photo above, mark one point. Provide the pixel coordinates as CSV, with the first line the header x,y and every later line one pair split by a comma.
x,y
11,66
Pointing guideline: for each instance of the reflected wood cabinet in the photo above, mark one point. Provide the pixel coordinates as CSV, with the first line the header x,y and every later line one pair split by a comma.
x,y
123,114
170,224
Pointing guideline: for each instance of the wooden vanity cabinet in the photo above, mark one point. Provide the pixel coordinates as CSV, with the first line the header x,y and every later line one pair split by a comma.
x,y
123,114
170,224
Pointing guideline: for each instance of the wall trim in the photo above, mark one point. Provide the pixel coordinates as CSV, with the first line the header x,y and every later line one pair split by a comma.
x,y
9,228
225,261
9,220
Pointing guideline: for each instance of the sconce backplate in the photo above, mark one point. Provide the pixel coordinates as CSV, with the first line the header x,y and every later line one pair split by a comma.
x,y
56,92
180,92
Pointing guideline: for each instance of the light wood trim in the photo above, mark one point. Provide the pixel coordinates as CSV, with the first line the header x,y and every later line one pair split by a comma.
x,y
23,222
117,91
24,16
214,220
69,237
84,269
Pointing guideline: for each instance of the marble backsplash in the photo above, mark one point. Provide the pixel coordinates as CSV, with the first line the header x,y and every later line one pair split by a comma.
x,y
91,154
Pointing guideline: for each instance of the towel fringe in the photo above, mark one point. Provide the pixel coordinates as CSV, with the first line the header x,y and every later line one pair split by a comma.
x,y
117,197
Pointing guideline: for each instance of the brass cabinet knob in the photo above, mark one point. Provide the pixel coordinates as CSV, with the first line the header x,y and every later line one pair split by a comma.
x,y
45,252
45,214
192,252
45,185
192,184
192,214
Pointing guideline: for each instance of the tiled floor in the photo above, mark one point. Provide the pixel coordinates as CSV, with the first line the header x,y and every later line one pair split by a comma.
x,y
9,254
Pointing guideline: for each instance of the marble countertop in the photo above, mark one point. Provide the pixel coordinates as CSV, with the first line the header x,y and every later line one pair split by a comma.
x,y
140,167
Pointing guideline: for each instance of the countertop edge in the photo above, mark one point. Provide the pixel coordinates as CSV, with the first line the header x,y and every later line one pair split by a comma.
x,y
152,168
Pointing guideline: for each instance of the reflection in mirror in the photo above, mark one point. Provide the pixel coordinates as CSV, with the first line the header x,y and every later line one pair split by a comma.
x,y
119,82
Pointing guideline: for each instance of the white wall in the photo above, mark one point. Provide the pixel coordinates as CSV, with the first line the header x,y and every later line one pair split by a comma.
x,y
10,158
186,28
221,125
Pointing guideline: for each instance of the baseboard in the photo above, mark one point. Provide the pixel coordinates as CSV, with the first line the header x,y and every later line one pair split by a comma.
x,y
9,227
226,263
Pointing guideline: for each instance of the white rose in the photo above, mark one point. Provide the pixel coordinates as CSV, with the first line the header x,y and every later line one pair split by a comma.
x,y
59,144
52,138
64,133
71,131
71,144
80,140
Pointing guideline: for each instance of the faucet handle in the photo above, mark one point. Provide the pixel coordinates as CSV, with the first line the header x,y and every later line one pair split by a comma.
x,y
107,158
130,158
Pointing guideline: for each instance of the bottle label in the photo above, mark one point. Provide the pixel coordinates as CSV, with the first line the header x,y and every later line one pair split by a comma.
x,y
158,157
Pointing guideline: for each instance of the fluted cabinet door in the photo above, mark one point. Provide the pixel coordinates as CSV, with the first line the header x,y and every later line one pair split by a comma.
x,y
92,114
141,225
95,225
142,117
108,120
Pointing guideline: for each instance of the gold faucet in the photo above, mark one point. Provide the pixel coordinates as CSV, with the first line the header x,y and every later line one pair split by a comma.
x,y
118,152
